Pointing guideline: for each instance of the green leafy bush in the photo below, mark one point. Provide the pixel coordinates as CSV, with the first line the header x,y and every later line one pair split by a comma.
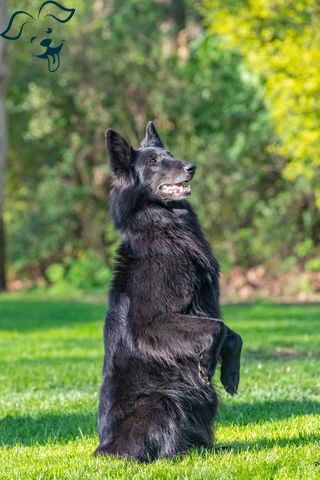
x,y
84,274
313,265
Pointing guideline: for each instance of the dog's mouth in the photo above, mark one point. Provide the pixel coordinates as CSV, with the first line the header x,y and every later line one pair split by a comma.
x,y
52,56
176,188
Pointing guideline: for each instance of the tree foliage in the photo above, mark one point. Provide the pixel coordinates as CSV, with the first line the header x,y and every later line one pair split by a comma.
x,y
279,40
122,66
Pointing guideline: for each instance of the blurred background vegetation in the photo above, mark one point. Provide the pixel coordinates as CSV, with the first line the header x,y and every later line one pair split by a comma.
x,y
232,86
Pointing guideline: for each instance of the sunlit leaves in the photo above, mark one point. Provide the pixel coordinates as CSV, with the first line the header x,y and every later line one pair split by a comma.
x,y
280,42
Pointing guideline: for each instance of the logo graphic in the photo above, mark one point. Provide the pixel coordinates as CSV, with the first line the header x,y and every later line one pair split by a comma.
x,y
48,9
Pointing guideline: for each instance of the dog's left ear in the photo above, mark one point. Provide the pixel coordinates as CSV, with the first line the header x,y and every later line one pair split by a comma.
x,y
16,24
120,155
152,138
55,10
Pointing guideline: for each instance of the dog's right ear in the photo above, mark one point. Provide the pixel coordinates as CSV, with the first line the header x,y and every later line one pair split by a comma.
x,y
152,138
120,154
50,8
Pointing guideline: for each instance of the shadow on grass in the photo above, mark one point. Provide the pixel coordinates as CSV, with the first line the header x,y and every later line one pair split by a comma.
x,y
303,317
57,428
267,444
277,311
268,411
61,428
28,315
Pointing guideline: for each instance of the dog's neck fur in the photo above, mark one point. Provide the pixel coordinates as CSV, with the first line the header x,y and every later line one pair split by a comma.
x,y
152,231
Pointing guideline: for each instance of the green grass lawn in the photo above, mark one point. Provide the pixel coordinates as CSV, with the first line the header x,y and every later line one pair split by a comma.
x,y
50,373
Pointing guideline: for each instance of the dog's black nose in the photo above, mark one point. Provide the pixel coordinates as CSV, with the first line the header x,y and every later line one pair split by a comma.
x,y
190,168
46,42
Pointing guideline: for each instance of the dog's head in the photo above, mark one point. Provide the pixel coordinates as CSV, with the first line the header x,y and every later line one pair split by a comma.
x,y
46,45
152,166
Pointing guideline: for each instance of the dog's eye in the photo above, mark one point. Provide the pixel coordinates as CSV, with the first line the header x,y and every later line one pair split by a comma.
x,y
152,161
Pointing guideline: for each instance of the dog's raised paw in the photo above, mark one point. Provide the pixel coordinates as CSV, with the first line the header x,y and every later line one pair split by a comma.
x,y
230,363
230,380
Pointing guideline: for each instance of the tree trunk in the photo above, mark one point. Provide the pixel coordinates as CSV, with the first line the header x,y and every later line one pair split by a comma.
x,y
4,74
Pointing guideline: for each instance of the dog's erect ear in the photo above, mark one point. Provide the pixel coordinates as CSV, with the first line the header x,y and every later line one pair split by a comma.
x,y
55,10
152,138
120,154
16,24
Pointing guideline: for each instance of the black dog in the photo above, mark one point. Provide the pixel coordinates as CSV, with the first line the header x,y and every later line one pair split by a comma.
x,y
162,335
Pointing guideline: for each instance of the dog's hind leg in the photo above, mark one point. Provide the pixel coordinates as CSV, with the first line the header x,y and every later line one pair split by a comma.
x,y
150,432
198,429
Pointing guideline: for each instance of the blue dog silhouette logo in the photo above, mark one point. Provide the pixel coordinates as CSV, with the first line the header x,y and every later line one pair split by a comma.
x,y
48,9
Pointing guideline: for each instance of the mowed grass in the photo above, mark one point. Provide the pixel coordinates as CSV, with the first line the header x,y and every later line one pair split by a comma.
x,y
50,373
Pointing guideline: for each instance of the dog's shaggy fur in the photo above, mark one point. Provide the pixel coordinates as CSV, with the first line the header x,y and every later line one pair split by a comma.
x,y
162,335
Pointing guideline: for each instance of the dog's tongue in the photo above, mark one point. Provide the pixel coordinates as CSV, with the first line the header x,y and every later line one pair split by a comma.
x,y
53,62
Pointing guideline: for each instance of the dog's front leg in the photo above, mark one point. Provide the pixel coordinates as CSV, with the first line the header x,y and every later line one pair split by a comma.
x,y
230,361
209,357
229,352
181,336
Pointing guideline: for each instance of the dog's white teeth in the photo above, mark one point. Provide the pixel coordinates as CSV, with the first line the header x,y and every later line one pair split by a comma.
x,y
176,188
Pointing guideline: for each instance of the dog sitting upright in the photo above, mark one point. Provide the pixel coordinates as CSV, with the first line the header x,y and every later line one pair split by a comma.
x,y
163,335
